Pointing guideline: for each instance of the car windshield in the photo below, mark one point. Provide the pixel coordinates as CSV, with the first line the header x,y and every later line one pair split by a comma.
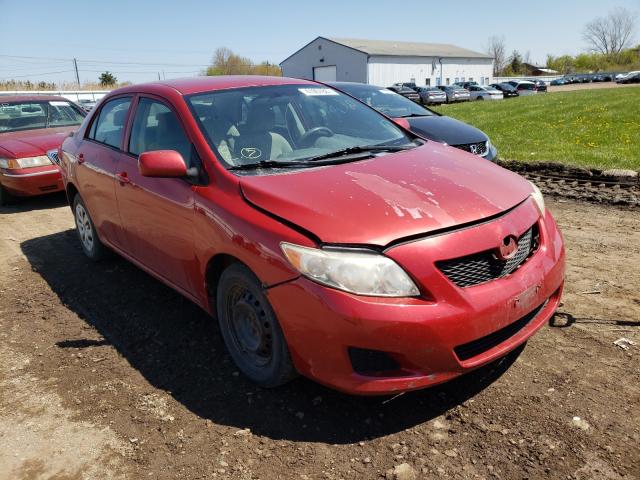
x,y
291,125
35,114
385,101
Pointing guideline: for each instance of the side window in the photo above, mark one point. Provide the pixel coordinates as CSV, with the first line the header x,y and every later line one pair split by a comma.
x,y
109,126
156,127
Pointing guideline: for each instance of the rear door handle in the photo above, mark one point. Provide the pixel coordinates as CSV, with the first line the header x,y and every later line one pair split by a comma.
x,y
123,178
80,158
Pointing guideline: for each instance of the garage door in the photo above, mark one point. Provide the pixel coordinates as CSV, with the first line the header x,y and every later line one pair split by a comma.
x,y
325,74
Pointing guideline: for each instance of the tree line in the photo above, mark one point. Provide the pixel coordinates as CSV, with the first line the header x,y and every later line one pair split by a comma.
x,y
609,44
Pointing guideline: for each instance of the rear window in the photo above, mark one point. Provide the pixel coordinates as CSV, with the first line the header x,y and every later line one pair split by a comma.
x,y
36,114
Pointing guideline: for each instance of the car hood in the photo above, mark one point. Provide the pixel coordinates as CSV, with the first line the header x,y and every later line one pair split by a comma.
x,y
29,143
379,200
446,130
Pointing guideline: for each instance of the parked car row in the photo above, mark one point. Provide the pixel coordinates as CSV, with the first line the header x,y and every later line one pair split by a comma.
x,y
627,77
467,91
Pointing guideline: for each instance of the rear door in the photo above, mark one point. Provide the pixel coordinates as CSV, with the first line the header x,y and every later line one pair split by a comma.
x,y
97,159
157,213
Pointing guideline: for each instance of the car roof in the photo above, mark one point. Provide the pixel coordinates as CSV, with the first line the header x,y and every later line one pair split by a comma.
x,y
188,86
31,98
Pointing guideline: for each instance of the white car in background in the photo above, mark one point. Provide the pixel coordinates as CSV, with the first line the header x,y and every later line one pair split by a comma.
x,y
622,76
524,87
481,92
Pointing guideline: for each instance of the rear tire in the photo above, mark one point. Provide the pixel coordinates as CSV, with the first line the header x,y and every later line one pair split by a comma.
x,y
251,330
89,241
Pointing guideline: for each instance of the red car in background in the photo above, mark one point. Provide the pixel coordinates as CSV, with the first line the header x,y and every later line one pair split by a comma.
x,y
31,130
326,239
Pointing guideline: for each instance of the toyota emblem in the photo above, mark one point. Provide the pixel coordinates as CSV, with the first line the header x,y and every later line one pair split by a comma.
x,y
508,248
251,152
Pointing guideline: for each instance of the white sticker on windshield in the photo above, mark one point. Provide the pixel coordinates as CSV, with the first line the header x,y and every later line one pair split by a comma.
x,y
56,103
317,91
386,91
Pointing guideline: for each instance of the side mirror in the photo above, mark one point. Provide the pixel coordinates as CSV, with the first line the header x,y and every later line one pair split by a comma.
x,y
162,163
403,122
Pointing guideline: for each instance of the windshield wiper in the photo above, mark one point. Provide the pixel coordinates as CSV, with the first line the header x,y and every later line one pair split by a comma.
x,y
409,115
266,164
360,149
340,156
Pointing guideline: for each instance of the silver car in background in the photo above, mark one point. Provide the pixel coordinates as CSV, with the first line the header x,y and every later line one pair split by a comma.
x,y
431,95
480,92
455,93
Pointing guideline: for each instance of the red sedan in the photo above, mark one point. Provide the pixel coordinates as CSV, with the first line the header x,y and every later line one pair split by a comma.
x,y
31,130
327,240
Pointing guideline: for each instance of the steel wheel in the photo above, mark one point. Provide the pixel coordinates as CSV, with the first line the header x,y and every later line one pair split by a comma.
x,y
250,328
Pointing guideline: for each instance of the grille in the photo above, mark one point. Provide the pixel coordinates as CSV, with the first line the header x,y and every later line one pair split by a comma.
x,y
485,266
479,147
481,345
53,156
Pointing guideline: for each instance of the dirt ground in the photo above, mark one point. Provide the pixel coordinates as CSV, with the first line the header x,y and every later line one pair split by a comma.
x,y
107,374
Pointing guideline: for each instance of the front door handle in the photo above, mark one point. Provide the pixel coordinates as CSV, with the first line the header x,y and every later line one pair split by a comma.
x,y
123,178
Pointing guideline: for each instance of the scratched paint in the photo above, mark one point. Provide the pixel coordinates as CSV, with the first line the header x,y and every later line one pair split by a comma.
x,y
408,200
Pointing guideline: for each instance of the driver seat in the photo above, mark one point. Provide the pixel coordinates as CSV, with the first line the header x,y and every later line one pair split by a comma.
x,y
257,141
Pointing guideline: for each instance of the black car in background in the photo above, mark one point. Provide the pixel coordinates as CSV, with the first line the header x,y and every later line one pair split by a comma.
x,y
466,84
406,92
507,90
411,85
541,86
422,121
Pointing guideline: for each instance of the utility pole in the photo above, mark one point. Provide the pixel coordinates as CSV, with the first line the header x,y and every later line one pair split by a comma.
x,y
158,76
75,67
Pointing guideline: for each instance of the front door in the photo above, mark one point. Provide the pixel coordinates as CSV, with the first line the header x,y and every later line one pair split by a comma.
x,y
157,213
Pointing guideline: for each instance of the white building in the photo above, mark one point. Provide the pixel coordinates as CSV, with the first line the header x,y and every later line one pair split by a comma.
x,y
384,63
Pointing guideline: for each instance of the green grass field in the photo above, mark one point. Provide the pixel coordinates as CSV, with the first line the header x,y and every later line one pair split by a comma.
x,y
590,128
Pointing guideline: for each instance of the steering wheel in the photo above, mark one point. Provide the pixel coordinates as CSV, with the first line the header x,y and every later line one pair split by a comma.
x,y
310,136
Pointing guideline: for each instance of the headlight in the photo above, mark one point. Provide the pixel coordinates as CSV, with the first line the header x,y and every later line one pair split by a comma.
x,y
29,162
538,198
362,273
26,162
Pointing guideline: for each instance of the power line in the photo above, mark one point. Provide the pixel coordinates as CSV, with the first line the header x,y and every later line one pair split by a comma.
x,y
110,62
36,74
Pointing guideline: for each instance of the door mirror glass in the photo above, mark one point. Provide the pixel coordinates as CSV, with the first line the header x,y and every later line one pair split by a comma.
x,y
162,163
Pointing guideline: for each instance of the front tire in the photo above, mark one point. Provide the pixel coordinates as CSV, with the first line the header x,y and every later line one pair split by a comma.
x,y
251,330
89,241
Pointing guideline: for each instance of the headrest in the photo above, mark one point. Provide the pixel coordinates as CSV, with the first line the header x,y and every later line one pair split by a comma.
x,y
167,123
119,117
260,118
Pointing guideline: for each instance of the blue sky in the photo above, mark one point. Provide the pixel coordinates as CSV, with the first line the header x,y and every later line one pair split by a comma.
x,y
138,39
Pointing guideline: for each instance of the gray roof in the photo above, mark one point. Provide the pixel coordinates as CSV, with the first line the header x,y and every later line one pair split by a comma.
x,y
408,49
